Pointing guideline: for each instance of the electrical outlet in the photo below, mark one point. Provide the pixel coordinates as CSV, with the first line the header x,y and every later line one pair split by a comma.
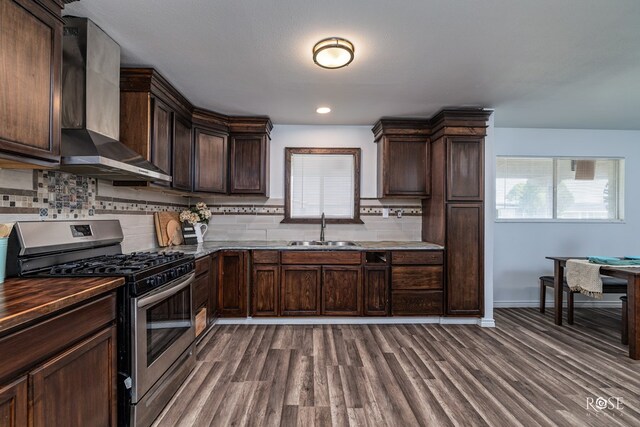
x,y
399,213
385,212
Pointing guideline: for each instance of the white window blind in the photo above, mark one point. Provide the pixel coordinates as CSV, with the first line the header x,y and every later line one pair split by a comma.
x,y
524,188
559,188
322,183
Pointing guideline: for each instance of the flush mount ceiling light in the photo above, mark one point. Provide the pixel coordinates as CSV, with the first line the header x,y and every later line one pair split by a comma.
x,y
323,110
332,53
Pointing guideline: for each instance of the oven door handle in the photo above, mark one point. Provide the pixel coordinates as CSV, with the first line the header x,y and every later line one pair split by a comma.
x,y
173,289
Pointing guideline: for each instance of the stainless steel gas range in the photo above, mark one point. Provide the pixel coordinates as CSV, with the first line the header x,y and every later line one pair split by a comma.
x,y
156,322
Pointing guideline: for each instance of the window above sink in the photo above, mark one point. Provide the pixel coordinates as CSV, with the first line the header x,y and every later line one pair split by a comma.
x,y
322,180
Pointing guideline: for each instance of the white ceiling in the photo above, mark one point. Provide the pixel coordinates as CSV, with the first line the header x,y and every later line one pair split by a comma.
x,y
538,63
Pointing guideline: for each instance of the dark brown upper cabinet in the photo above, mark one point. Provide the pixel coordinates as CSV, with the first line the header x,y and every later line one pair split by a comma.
x,y
211,148
152,116
465,169
249,165
182,155
162,137
249,155
403,158
30,70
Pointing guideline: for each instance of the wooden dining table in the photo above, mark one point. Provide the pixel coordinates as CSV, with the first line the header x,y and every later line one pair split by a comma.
x,y
630,274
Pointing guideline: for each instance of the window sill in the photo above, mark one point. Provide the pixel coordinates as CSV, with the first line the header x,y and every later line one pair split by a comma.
x,y
318,221
562,221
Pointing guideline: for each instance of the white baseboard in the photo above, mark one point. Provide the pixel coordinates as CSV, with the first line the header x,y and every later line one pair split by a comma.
x,y
353,321
487,323
519,304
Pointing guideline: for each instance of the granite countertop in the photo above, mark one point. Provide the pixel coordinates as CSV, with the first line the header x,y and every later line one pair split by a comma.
x,y
210,247
23,300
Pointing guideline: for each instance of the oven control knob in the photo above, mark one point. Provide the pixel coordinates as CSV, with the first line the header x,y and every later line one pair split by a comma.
x,y
151,282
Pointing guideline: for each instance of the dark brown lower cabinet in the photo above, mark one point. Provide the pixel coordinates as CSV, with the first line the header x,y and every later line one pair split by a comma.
x,y
265,285
62,370
68,388
465,248
341,291
213,291
300,290
232,296
416,303
201,289
13,403
376,291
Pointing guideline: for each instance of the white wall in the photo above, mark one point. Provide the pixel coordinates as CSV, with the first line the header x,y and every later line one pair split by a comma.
x,y
520,248
323,136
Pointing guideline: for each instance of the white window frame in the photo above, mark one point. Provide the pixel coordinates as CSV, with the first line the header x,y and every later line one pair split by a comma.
x,y
621,174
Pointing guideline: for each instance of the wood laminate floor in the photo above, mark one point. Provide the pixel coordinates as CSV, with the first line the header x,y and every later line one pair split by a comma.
x,y
526,371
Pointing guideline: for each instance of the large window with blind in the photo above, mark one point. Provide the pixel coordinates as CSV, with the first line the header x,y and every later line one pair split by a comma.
x,y
559,188
322,180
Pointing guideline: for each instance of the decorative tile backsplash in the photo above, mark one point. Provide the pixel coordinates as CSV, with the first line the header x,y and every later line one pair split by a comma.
x,y
63,190
61,195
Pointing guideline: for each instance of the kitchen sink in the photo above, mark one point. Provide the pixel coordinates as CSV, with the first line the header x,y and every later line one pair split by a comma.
x,y
305,243
338,243
318,243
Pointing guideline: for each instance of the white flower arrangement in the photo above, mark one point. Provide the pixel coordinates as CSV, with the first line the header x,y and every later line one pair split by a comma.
x,y
195,214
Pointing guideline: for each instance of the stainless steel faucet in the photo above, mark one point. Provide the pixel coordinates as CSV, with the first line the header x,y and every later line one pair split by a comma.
x,y
323,225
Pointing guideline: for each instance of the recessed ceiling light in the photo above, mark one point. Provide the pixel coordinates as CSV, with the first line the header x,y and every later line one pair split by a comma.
x,y
332,53
323,110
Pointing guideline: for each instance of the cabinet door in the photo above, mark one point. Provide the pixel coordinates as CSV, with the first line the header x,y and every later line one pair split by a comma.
x,y
30,54
341,291
13,403
465,169
465,269
249,165
161,145
182,155
213,292
265,283
406,167
232,293
300,291
210,162
201,289
77,387
376,291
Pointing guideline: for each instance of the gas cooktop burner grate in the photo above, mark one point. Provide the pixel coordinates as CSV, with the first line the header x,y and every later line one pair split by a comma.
x,y
116,264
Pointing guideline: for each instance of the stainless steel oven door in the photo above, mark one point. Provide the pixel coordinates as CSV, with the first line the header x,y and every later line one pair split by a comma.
x,y
162,328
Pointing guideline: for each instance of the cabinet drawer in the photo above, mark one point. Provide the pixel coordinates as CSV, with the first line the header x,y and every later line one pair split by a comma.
x,y
201,291
44,339
321,257
416,257
266,257
202,265
416,303
414,277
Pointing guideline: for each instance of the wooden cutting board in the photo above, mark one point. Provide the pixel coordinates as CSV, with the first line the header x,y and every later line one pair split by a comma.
x,y
162,220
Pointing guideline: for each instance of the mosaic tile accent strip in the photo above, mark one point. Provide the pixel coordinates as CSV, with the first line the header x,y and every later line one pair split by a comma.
x,y
279,210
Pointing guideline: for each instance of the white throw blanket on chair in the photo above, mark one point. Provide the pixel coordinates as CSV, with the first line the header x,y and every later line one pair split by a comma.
x,y
584,277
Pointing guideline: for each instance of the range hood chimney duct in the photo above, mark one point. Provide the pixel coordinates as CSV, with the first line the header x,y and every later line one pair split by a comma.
x,y
91,108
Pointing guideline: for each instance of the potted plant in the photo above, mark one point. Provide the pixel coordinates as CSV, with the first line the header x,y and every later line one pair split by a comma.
x,y
198,216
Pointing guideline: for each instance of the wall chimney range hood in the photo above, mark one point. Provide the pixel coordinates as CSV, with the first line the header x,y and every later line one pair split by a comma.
x,y
91,108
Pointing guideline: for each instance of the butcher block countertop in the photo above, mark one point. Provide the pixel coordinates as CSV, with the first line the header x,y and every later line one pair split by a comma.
x,y
23,300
